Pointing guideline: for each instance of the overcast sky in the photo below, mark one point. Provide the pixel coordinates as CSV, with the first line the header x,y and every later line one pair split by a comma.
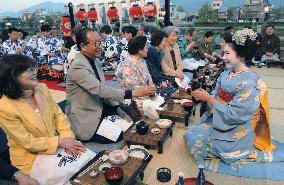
x,y
16,5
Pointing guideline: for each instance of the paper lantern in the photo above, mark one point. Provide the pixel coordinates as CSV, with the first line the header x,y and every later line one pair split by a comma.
x,y
150,10
81,15
92,15
135,12
112,14
65,25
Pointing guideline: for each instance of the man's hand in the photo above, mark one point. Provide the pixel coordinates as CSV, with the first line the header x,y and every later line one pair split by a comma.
x,y
71,146
189,46
164,84
269,54
23,179
144,91
50,54
179,75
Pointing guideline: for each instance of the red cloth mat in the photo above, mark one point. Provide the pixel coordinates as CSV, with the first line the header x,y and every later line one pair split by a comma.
x,y
54,84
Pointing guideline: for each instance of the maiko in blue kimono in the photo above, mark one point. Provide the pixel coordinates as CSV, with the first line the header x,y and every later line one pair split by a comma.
x,y
228,133
233,135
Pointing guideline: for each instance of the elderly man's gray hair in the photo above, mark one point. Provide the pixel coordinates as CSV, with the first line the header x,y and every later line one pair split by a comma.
x,y
169,29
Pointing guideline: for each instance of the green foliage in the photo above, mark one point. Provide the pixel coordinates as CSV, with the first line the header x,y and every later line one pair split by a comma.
x,y
180,8
49,21
207,14
230,13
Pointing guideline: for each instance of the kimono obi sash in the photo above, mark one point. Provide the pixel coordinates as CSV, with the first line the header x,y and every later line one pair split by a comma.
x,y
224,95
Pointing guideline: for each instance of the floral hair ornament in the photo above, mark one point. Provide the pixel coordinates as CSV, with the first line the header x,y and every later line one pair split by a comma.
x,y
240,36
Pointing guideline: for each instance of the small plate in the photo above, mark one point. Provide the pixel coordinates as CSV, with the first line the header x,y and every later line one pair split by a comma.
x,y
103,167
94,173
184,100
155,131
164,123
140,153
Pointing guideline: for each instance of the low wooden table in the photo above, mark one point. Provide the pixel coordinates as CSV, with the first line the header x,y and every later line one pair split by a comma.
x,y
177,113
133,168
149,140
178,95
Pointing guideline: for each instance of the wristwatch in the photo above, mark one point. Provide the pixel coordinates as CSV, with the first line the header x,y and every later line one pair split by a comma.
x,y
15,175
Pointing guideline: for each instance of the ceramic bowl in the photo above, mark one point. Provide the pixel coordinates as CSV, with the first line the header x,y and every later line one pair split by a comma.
x,y
114,175
118,157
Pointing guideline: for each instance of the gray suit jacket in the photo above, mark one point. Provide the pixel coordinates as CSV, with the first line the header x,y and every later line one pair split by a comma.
x,y
85,96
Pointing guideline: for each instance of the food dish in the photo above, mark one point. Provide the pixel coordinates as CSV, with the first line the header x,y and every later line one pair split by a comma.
x,y
114,175
155,131
103,167
184,100
140,153
118,157
164,123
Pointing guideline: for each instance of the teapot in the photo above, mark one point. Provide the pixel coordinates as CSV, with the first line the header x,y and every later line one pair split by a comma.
x,y
142,127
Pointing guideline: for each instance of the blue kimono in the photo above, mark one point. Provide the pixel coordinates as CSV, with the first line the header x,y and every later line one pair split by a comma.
x,y
32,45
123,49
225,130
10,47
110,53
49,45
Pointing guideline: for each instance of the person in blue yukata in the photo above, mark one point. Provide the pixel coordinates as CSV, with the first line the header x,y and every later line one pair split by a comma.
x,y
110,52
49,47
32,44
129,32
1,48
13,45
144,30
271,46
225,129
50,52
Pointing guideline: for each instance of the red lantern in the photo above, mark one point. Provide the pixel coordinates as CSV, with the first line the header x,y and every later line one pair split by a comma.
x,y
65,25
92,15
112,14
135,12
150,10
81,15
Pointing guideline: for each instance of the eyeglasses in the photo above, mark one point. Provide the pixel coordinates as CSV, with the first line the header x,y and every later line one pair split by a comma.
x,y
96,43
32,69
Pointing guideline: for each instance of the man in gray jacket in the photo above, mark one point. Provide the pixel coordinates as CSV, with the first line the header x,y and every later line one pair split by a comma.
x,y
89,99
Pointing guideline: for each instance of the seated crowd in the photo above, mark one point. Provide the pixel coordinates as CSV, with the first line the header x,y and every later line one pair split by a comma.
x,y
145,63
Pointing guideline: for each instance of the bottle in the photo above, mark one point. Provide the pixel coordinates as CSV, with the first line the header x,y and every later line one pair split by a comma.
x,y
201,177
180,178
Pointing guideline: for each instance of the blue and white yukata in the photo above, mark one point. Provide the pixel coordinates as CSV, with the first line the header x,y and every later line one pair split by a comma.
x,y
225,130
110,53
49,45
32,45
10,47
123,49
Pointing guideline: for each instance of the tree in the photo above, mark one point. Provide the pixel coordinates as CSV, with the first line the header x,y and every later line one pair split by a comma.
x,y
207,14
180,8
49,21
30,23
248,14
276,14
230,13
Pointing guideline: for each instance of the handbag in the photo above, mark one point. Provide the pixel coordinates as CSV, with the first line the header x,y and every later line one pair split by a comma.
x,y
58,168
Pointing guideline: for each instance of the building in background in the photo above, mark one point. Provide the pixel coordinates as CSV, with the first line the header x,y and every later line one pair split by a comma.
x,y
217,4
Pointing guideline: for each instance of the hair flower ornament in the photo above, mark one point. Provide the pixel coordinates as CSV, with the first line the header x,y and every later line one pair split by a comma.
x,y
240,36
